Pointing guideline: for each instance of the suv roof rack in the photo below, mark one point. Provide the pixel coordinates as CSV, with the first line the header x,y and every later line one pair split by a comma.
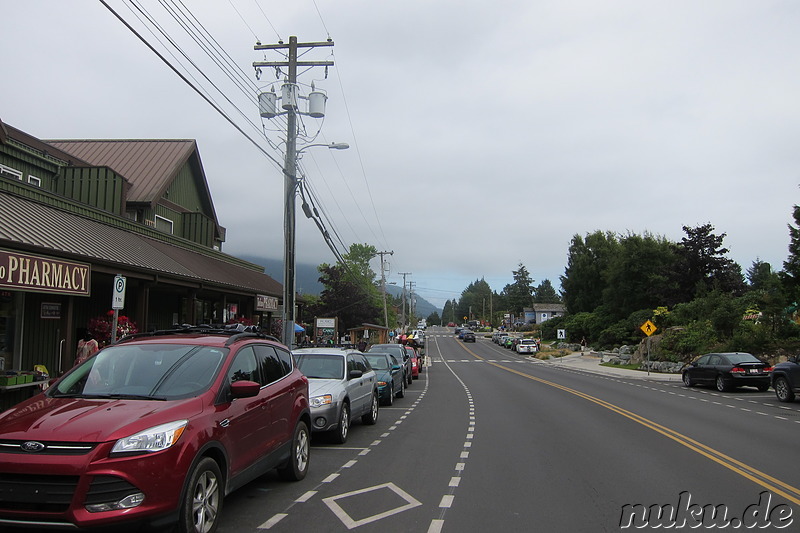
x,y
236,331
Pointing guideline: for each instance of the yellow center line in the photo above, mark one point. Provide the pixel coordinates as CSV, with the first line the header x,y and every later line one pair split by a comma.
x,y
770,483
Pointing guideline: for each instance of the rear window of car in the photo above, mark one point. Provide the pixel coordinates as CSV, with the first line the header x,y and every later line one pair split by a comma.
x,y
378,362
736,358
320,366
146,371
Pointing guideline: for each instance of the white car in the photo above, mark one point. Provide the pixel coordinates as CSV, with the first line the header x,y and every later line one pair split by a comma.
x,y
527,346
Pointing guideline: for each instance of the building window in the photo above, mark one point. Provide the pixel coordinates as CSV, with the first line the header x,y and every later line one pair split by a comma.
x,y
164,224
9,172
33,180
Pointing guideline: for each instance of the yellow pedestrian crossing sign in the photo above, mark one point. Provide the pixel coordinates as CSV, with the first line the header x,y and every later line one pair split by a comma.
x,y
648,327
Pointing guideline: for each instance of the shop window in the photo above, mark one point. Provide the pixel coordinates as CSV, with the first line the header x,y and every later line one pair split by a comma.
x,y
164,224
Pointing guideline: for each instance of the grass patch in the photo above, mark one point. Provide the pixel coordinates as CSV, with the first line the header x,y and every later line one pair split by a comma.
x,y
549,353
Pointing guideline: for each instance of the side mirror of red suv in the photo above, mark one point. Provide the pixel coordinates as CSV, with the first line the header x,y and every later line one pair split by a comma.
x,y
244,389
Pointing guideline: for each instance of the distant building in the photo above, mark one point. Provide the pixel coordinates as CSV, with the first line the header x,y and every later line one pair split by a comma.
x,y
544,312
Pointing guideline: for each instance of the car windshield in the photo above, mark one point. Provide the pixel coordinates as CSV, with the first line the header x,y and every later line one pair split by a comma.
x,y
378,362
320,366
144,371
736,358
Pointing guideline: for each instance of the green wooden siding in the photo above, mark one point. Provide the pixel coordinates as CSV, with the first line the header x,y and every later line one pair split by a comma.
x,y
184,191
198,228
99,187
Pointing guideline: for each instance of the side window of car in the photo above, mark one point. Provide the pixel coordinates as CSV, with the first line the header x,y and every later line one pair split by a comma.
x,y
703,360
393,360
285,359
271,367
714,360
362,364
351,364
244,366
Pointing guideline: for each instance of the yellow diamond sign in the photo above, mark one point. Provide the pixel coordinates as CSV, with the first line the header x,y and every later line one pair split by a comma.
x,y
648,327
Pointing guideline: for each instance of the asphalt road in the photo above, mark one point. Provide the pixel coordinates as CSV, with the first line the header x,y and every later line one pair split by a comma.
x,y
487,440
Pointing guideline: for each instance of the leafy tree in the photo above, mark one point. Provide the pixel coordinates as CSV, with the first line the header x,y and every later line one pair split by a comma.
x,y
519,293
791,267
350,291
434,319
474,301
638,276
587,260
546,294
703,265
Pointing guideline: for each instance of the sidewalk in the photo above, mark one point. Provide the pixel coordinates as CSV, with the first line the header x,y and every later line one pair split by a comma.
x,y
590,362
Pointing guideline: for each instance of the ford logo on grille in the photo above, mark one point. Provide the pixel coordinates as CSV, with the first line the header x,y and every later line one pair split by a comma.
x,y
32,446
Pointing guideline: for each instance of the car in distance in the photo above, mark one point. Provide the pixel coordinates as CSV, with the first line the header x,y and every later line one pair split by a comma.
x,y
412,355
468,336
341,387
728,370
153,430
389,373
786,379
399,351
527,346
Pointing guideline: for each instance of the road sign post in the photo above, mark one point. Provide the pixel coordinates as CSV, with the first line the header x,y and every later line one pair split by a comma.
x,y
117,303
648,328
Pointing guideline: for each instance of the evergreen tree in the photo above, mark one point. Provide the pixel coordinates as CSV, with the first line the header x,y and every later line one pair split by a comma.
x,y
703,266
546,294
791,267
587,260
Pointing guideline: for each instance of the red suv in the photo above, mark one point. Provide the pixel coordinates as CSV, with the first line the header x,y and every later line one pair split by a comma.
x,y
155,429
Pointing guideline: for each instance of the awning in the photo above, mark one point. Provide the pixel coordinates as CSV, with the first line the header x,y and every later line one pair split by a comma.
x,y
298,328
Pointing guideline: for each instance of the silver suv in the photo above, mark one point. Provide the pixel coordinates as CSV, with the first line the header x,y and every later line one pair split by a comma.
x,y
341,386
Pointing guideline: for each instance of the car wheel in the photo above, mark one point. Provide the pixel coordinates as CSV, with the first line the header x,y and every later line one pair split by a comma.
x,y
371,418
296,466
721,385
783,391
687,380
409,379
202,502
340,435
402,392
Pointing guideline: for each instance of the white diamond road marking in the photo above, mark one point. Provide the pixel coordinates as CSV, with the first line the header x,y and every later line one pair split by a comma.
x,y
350,523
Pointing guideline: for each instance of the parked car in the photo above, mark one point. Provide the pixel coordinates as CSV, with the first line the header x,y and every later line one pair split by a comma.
x,y
508,341
389,373
342,387
399,351
527,346
786,379
451,324
728,370
154,429
468,336
412,354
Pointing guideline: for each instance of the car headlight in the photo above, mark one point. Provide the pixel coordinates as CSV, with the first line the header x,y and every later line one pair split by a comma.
x,y
318,401
151,440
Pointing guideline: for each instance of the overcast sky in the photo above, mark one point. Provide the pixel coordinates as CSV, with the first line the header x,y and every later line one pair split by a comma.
x,y
483,134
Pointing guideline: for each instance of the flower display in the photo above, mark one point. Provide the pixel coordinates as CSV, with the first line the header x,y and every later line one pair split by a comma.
x,y
101,326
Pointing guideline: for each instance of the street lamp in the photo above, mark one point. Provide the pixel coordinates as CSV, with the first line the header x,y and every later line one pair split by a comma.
x,y
289,257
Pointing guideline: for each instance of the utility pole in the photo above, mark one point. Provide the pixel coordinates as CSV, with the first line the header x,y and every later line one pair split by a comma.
x,y
289,103
383,287
411,302
403,319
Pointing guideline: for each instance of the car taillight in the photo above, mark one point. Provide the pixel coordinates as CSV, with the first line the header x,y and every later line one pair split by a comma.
x,y
768,369
738,370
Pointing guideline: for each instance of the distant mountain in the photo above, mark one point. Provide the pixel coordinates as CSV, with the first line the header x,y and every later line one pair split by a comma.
x,y
307,281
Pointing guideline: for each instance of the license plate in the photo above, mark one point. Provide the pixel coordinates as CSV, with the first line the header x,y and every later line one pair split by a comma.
x,y
755,370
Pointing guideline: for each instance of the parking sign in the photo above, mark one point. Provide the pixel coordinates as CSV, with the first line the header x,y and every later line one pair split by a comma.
x,y
118,294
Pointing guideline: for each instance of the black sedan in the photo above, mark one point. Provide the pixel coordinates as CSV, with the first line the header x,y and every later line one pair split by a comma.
x,y
727,371
468,336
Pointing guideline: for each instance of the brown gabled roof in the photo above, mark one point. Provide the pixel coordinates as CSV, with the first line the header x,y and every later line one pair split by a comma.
x,y
149,165
10,132
48,230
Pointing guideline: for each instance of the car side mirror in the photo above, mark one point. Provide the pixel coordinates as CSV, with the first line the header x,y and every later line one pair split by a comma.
x,y
396,367
355,374
244,389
